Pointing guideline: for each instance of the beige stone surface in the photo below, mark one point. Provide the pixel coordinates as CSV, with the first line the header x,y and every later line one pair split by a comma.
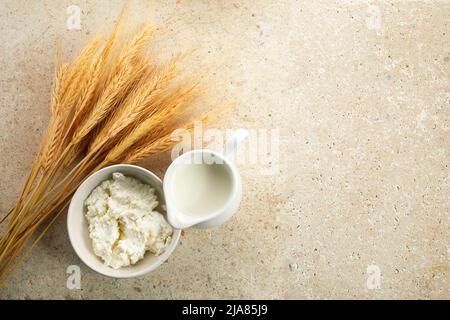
x,y
359,92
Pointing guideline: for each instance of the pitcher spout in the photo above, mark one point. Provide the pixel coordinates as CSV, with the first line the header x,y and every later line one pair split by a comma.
x,y
175,222
179,220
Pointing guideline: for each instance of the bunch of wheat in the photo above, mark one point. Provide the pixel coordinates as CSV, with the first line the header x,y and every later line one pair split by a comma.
x,y
112,104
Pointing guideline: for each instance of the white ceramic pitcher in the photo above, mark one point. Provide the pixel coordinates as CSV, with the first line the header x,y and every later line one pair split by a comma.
x,y
175,215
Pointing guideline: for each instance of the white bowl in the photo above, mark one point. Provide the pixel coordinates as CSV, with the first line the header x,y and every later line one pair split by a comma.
x,y
77,224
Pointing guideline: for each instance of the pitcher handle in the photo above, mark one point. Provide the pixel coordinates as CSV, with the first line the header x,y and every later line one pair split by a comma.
x,y
231,148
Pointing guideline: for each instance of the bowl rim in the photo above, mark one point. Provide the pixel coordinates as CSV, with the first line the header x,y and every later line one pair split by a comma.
x,y
167,253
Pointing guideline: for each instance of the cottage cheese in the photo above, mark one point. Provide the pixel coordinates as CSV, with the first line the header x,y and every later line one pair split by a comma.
x,y
122,222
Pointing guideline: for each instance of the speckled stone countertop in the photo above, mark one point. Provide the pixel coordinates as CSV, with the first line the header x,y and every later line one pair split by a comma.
x,y
355,204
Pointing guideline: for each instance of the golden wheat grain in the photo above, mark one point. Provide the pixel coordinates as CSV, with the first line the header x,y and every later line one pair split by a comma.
x,y
165,142
138,104
146,150
76,73
113,94
122,77
154,121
